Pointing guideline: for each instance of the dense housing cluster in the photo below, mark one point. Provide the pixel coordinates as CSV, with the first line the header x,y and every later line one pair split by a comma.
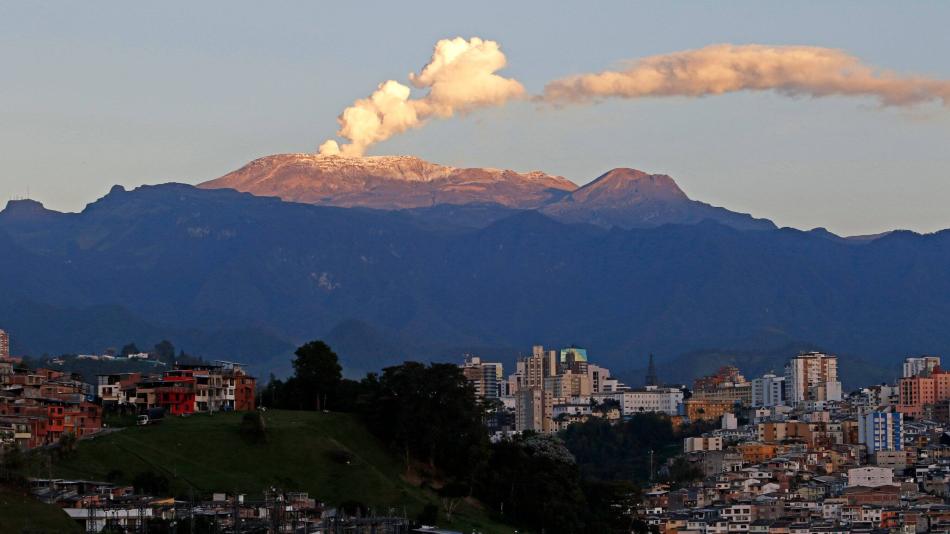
x,y
792,454
186,389
39,407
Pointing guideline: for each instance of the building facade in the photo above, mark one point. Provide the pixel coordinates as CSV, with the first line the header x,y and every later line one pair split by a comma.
x,y
812,376
768,391
920,365
4,344
881,431
650,399
487,378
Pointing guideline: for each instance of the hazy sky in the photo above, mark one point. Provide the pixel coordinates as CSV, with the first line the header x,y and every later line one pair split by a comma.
x,y
96,94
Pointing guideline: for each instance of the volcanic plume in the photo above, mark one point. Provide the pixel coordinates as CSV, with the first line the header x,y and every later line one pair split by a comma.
x,y
460,76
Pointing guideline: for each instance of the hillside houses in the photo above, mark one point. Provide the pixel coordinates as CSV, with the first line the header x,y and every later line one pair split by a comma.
x,y
39,407
184,390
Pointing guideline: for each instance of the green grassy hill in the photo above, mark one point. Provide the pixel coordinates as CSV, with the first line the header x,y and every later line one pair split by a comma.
x,y
305,451
20,512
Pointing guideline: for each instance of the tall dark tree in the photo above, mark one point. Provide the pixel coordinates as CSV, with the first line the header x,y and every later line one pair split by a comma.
x,y
533,481
129,349
429,413
317,373
619,452
165,351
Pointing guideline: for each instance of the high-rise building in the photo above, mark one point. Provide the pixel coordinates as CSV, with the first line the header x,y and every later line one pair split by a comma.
x,y
651,378
574,359
601,382
881,431
768,391
568,384
918,393
486,377
4,344
920,366
550,379
529,409
812,376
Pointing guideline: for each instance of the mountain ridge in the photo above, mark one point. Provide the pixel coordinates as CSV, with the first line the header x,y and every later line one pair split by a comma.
x,y
388,182
623,197
385,285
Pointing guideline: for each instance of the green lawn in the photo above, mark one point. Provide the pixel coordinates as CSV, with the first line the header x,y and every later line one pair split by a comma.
x,y
302,452
20,512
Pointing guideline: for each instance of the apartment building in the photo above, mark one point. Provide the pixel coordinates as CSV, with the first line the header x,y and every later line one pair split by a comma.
x,y
881,431
812,376
487,378
4,345
38,407
768,391
920,365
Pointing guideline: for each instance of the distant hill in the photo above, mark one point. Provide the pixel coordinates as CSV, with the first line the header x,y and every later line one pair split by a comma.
x,y
332,456
235,276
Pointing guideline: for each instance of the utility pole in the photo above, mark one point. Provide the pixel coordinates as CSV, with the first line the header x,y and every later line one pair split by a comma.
x,y
235,520
651,465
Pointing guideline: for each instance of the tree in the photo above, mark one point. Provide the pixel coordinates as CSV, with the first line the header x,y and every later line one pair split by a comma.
x,y
12,461
532,481
429,413
273,393
164,351
129,349
451,496
610,505
151,483
317,372
617,452
253,426
682,472
67,444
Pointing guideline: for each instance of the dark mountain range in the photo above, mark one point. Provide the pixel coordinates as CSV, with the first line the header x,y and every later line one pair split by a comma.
x,y
238,276
626,198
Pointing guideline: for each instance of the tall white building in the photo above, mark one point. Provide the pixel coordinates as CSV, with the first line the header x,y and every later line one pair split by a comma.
x,y
4,345
768,391
812,376
922,365
881,431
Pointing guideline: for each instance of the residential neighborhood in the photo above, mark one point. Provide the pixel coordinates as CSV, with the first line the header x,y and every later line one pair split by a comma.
x,y
791,452
785,453
38,407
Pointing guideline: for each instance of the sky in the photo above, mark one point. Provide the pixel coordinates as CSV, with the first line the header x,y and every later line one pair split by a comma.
x,y
97,94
